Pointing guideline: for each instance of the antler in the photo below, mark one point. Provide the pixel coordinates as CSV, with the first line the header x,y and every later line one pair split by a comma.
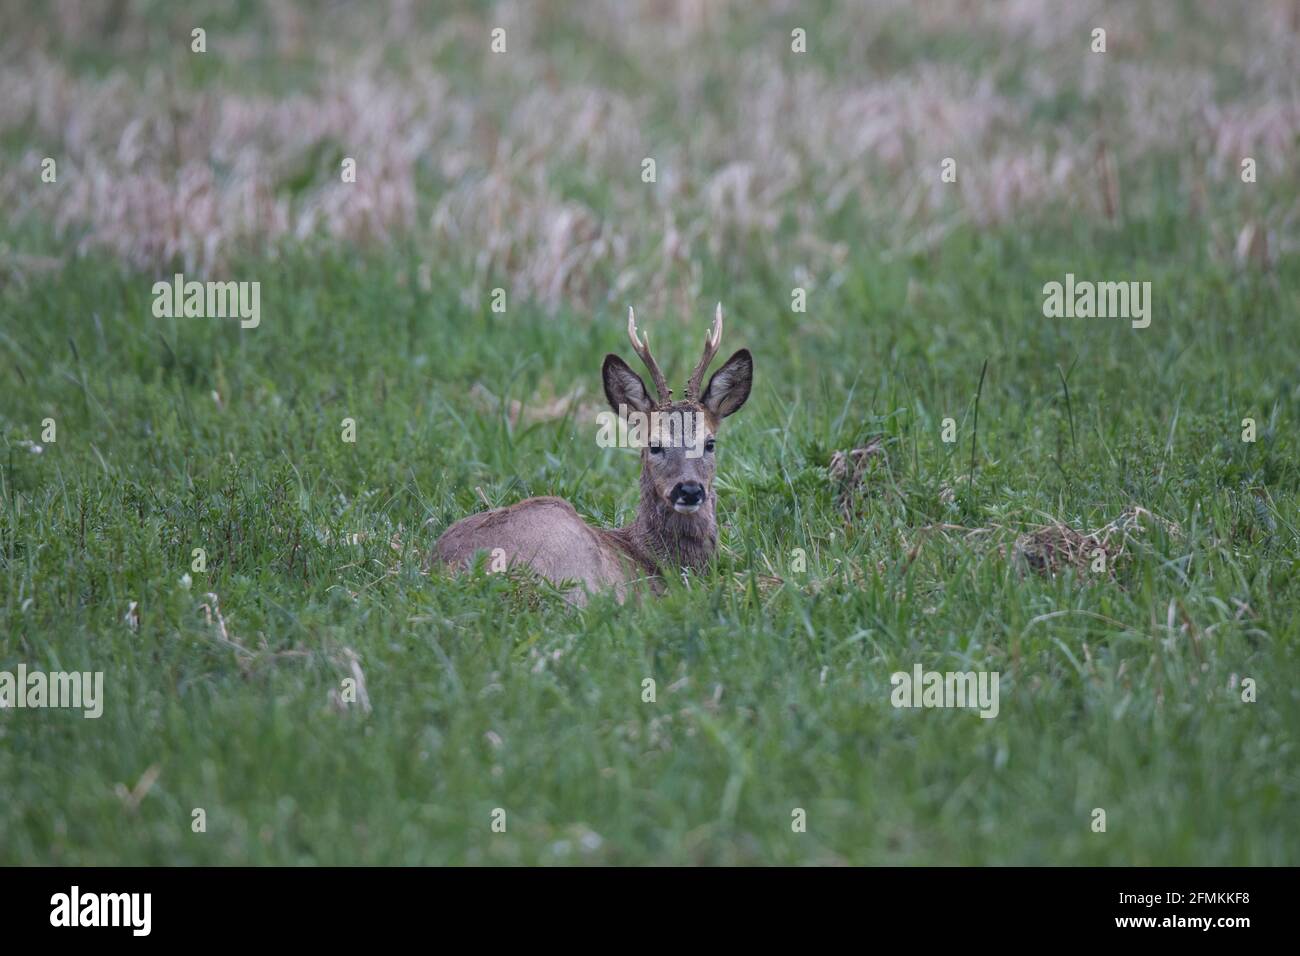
x,y
711,343
661,383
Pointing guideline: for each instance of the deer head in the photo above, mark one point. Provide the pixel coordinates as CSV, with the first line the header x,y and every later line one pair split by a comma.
x,y
678,460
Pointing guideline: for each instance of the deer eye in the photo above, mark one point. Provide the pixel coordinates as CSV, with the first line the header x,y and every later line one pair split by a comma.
x,y
708,445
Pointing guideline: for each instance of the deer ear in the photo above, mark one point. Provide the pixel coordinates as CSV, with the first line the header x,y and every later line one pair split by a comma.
x,y
729,386
624,386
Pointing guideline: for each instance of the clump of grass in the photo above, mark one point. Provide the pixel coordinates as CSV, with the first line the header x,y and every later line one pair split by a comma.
x,y
852,470
1051,548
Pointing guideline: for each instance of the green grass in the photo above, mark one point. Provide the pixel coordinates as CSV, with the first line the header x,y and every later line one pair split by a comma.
x,y
491,692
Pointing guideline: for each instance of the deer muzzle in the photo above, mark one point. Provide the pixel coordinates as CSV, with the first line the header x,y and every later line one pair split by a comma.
x,y
687,497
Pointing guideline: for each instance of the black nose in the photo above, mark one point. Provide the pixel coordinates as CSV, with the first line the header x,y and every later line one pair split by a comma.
x,y
688,493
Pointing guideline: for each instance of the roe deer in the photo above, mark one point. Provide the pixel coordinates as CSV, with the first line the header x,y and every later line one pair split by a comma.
x,y
676,523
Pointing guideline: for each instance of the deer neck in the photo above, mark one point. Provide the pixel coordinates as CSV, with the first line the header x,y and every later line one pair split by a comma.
x,y
670,539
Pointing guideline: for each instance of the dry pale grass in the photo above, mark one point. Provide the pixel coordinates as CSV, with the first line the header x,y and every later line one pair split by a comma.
x,y
1050,548
759,152
853,472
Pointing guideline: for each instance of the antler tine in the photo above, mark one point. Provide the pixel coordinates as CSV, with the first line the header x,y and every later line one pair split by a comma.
x,y
643,351
711,343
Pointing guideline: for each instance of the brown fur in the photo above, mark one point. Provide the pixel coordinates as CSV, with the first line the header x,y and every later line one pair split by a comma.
x,y
547,535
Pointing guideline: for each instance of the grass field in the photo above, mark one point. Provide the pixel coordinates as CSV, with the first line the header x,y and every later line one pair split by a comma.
x,y
1120,690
